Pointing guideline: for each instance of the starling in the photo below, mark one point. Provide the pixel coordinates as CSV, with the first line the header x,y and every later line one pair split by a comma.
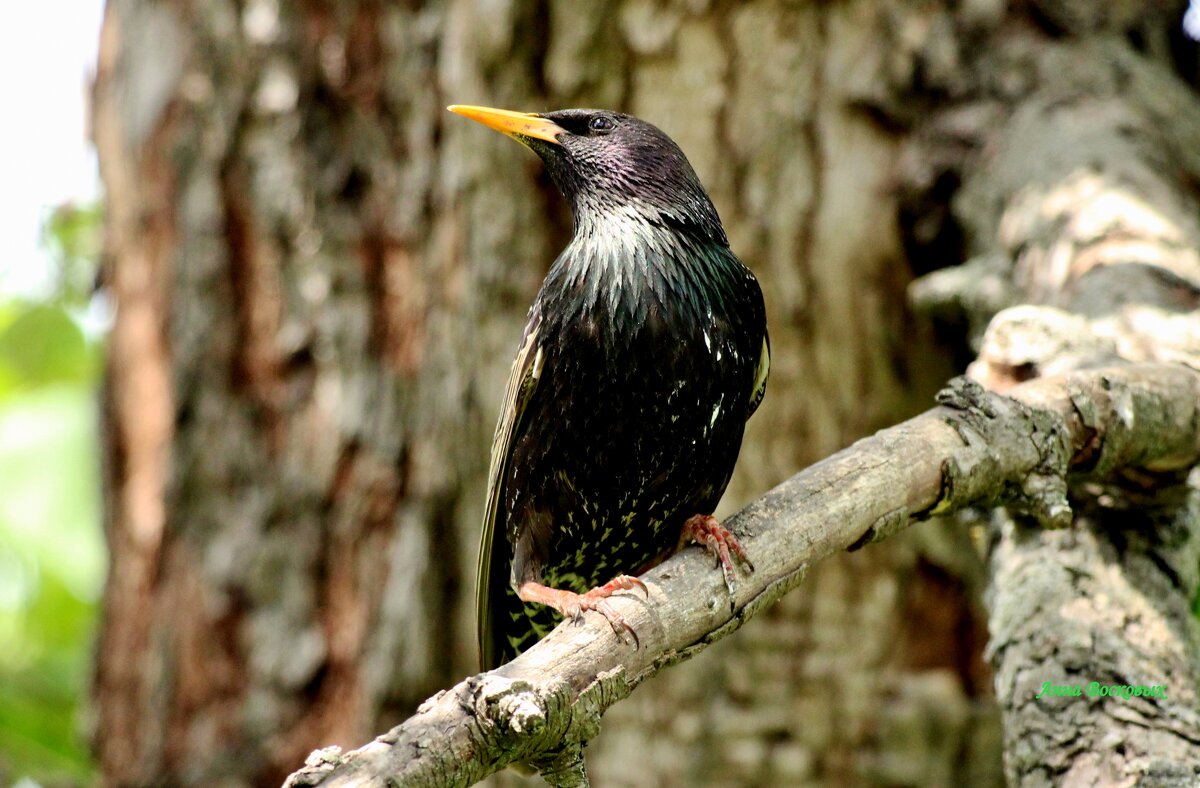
x,y
645,353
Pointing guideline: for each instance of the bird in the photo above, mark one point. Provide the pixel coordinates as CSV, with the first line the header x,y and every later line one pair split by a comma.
x,y
644,354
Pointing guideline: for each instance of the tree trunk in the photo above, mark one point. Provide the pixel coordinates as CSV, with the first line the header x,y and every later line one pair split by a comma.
x,y
320,279
292,417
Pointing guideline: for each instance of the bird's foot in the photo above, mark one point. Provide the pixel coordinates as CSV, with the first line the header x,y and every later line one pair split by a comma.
x,y
573,606
707,531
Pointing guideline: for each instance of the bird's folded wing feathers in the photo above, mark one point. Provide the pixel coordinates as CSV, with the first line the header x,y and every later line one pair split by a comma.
x,y
760,376
492,577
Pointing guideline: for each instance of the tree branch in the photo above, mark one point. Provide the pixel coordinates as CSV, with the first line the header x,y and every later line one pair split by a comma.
x,y
977,448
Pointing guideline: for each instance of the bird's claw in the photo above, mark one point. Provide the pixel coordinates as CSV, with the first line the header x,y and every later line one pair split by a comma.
x,y
621,583
621,628
597,600
707,531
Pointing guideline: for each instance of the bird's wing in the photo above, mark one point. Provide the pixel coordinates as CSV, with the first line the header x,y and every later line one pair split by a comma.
x,y
494,559
760,375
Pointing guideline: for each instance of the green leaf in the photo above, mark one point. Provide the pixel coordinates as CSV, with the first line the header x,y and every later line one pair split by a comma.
x,y
41,344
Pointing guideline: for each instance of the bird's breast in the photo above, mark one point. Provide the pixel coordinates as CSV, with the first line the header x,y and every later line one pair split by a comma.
x,y
640,393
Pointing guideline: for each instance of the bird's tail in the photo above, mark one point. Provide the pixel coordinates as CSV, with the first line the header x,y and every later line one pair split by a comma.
x,y
511,626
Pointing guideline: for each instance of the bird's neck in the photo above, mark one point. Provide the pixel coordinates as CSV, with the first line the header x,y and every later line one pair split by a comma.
x,y
616,231
623,263
628,230
624,249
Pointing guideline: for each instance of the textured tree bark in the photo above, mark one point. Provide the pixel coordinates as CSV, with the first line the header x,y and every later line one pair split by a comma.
x,y
320,278
1078,192
288,428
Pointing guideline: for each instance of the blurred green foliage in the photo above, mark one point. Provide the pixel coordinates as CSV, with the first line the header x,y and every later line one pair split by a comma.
x,y
51,546
72,235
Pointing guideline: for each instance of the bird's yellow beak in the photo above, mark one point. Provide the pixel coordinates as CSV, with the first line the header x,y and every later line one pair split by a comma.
x,y
514,124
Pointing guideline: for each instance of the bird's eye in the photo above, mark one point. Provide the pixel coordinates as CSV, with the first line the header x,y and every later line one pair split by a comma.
x,y
600,124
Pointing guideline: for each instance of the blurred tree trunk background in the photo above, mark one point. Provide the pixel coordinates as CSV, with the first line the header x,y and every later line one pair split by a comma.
x,y
320,278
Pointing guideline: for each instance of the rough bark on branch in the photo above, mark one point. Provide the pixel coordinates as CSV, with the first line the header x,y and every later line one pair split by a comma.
x,y
1078,197
976,448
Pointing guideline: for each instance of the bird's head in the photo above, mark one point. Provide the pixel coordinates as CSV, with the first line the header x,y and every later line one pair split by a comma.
x,y
607,163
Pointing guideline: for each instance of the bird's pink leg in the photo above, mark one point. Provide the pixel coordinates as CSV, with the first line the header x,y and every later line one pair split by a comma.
x,y
707,531
572,605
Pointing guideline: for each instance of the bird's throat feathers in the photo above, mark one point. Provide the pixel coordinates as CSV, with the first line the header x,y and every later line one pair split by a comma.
x,y
627,264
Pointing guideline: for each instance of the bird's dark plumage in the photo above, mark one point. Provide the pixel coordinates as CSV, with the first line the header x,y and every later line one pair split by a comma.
x,y
644,354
